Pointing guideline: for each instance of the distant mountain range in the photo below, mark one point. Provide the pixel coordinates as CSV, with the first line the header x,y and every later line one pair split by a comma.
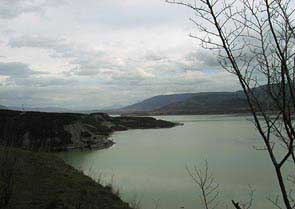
x,y
3,107
207,103
180,104
202,103
189,103
39,109
156,102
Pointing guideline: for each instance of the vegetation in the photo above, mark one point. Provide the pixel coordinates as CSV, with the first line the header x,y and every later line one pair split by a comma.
x,y
38,180
202,103
39,131
32,180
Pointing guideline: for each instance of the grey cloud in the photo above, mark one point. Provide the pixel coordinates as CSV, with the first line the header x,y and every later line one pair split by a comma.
x,y
103,71
10,9
13,8
125,89
17,70
85,71
41,82
126,80
87,62
21,74
37,42
116,53
130,13
62,96
31,96
59,47
203,59
175,84
92,66
152,56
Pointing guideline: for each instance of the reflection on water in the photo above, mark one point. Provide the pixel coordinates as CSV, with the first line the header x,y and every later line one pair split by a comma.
x,y
151,163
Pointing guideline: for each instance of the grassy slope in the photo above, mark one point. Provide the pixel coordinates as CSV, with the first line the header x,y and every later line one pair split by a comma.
x,y
43,181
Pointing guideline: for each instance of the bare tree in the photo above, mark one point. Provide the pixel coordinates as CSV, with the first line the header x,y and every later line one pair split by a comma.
x,y
245,204
205,181
209,188
254,40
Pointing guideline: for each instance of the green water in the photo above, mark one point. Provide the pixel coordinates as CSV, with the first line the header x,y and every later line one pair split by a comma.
x,y
150,164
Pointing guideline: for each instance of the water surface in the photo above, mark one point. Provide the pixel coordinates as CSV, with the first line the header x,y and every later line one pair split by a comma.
x,y
150,164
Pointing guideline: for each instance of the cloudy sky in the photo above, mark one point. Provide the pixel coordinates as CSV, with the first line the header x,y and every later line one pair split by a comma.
x,y
93,54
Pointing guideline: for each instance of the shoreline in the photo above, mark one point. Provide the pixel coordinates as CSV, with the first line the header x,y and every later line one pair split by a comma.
x,y
57,132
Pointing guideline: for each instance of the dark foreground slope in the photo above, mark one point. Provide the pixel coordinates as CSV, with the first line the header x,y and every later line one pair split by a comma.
x,y
39,131
43,181
35,180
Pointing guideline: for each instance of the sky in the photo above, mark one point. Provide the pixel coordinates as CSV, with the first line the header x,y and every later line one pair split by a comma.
x,y
94,54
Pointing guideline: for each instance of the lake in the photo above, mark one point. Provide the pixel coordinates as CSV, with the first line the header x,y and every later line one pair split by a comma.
x,y
149,165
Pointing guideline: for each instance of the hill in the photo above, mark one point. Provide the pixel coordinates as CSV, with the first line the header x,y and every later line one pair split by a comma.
x,y
208,103
42,109
190,103
39,131
201,103
154,103
31,180
3,107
